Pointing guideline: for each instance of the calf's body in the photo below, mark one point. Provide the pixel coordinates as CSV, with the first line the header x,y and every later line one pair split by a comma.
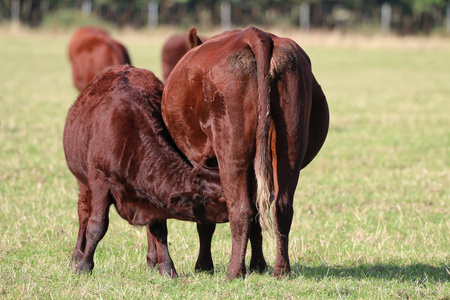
x,y
117,147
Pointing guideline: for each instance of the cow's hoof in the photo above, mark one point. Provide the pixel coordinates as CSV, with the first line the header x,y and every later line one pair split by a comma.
x,y
233,273
281,271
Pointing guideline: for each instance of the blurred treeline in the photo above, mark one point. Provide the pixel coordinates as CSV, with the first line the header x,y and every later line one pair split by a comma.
x,y
404,16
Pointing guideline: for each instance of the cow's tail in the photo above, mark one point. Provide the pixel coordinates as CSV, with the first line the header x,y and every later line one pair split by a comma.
x,y
261,45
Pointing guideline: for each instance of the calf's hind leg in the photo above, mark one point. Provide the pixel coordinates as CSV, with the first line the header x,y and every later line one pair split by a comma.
x,y
152,254
97,225
84,209
283,213
158,230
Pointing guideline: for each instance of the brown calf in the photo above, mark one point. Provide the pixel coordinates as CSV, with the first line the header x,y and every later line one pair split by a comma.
x,y
117,147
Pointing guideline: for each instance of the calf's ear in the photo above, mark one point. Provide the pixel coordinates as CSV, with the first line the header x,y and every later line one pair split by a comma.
x,y
193,38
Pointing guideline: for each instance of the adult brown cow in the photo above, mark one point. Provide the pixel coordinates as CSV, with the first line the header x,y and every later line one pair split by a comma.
x,y
248,102
90,50
117,147
173,50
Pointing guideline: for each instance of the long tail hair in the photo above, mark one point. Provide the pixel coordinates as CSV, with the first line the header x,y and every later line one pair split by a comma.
x,y
261,45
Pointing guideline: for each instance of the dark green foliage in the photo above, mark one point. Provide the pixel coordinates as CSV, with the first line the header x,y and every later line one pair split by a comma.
x,y
408,16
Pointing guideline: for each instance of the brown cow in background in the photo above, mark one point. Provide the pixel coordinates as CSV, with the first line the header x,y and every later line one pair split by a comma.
x,y
248,102
117,147
90,51
173,50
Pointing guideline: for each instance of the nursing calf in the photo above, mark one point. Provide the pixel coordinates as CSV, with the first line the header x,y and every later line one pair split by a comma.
x,y
117,147
92,49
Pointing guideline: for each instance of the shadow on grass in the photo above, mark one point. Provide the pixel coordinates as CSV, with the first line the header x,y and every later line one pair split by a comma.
x,y
420,273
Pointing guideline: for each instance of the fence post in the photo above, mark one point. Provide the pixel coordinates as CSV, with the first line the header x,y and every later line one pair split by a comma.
x,y
86,7
44,7
386,16
15,12
153,14
304,16
225,15
448,18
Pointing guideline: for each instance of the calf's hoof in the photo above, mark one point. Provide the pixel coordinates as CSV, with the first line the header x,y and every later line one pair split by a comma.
x,y
73,263
77,255
167,270
152,262
84,267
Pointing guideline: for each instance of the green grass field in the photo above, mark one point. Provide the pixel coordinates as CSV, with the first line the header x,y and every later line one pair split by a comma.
x,y
372,212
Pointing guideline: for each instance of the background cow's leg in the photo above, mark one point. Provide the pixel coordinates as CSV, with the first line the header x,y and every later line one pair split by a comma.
x,y
152,255
97,225
205,234
257,262
165,264
84,202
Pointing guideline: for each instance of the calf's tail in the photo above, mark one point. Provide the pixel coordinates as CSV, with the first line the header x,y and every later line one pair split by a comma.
x,y
261,45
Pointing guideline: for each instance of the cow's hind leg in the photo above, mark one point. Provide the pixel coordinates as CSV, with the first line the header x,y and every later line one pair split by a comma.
x,y
97,224
165,265
205,234
241,213
240,223
84,208
283,213
205,262
286,165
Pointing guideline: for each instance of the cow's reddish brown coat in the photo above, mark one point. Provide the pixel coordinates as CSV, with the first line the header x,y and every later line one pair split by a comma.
x,y
248,102
90,50
173,50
